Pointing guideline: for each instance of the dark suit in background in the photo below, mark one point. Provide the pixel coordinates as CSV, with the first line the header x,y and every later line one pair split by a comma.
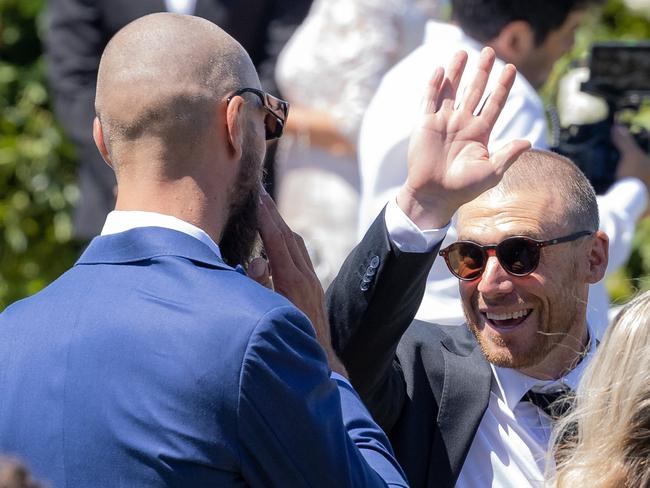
x,y
78,31
426,385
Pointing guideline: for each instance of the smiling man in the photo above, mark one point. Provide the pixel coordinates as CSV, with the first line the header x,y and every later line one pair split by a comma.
x,y
473,406
527,305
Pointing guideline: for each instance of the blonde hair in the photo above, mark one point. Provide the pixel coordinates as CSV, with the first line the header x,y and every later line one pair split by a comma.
x,y
605,441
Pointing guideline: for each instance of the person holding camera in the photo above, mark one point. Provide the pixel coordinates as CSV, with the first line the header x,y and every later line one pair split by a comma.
x,y
532,36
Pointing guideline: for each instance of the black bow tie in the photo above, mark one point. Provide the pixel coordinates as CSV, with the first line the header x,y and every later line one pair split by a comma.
x,y
555,404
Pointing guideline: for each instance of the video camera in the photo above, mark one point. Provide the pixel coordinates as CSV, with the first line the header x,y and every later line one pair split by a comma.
x,y
620,74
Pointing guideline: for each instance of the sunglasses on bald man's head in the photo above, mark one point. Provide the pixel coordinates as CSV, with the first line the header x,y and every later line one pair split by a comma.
x,y
518,255
276,108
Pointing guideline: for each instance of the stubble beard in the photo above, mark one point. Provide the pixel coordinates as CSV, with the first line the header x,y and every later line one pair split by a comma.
x,y
511,354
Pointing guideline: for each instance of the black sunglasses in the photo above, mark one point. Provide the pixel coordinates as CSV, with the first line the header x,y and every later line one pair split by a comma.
x,y
276,108
518,255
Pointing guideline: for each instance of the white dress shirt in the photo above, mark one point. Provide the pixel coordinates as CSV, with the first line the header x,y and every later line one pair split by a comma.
x,y
511,443
383,144
181,6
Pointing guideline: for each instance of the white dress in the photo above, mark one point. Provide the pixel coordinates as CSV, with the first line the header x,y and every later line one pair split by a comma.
x,y
334,63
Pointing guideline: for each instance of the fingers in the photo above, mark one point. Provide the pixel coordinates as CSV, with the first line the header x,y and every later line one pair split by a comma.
x,y
475,90
430,100
451,82
503,158
276,241
497,99
259,271
282,235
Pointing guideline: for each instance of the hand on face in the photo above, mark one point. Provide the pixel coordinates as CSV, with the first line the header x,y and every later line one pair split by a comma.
x,y
448,160
292,275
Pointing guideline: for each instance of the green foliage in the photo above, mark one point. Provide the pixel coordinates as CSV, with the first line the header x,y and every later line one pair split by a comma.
x,y
615,22
37,167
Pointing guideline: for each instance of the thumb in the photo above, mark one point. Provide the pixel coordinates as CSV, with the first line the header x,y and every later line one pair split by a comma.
x,y
504,157
258,270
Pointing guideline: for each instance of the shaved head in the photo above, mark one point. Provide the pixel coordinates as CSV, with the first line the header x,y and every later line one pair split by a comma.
x,y
176,144
160,77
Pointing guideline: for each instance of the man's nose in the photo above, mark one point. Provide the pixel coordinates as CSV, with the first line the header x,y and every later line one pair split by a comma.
x,y
495,280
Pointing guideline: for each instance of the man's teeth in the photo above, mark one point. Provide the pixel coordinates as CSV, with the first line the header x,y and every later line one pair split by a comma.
x,y
506,316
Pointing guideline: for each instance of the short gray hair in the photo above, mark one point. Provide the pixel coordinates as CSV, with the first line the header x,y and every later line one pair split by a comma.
x,y
546,171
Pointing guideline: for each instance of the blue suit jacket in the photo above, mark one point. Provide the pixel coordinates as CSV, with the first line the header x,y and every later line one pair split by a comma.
x,y
151,363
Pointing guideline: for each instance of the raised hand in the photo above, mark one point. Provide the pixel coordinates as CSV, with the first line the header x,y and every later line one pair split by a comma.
x,y
292,274
448,160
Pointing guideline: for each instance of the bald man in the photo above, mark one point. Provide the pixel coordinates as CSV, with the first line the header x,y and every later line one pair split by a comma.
x,y
153,362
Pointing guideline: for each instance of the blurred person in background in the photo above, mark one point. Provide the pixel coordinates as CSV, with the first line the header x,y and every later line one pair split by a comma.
x,y
329,72
78,31
531,35
605,441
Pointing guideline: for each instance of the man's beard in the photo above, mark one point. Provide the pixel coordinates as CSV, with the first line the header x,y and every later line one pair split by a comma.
x,y
239,238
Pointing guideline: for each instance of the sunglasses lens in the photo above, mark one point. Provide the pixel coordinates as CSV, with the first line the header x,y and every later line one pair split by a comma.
x,y
466,260
273,127
518,255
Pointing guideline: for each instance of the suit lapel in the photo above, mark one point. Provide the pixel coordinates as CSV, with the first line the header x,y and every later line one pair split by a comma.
x,y
465,396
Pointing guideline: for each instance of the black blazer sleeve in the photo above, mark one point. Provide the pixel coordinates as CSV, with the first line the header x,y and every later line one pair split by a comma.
x,y
371,303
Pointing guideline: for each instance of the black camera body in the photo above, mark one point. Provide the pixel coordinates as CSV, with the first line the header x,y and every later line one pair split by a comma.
x,y
620,74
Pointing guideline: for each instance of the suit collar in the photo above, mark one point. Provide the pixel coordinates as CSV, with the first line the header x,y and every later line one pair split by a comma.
x,y
144,243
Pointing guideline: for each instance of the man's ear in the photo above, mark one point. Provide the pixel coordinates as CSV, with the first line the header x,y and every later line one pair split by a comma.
x,y
598,257
98,136
515,42
235,126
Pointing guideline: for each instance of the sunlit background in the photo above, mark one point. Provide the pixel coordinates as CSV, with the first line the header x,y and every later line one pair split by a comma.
x,y
37,163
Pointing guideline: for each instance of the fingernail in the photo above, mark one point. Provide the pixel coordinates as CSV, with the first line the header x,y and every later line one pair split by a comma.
x,y
257,268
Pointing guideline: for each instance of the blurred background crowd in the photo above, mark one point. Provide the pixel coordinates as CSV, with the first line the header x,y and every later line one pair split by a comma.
x,y
326,57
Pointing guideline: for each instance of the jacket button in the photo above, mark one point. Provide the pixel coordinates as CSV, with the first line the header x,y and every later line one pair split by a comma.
x,y
374,262
365,286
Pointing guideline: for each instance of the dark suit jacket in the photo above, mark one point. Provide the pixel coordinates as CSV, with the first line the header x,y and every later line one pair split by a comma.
x,y
77,32
426,385
152,364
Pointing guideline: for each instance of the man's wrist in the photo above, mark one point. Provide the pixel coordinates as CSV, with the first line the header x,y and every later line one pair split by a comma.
x,y
426,213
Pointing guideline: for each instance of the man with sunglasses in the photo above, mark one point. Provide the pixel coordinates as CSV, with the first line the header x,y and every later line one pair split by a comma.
x,y
473,406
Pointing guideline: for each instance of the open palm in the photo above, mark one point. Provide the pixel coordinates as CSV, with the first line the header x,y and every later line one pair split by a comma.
x,y
449,163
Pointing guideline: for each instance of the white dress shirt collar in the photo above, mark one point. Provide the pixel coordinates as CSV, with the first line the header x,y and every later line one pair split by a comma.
x,y
123,220
511,385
